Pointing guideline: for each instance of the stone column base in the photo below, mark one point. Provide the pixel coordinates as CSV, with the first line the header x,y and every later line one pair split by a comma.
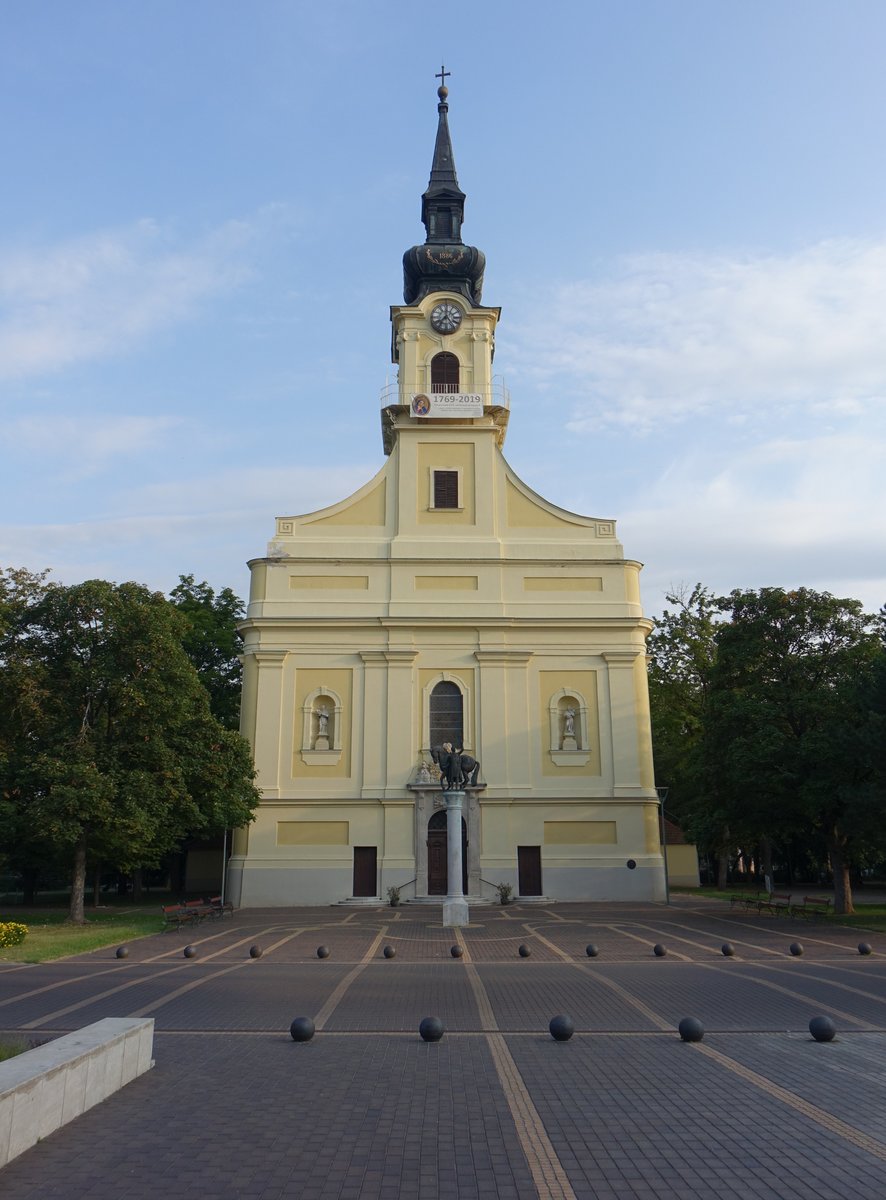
x,y
455,912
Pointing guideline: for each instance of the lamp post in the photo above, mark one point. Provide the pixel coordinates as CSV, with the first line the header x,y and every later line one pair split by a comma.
x,y
662,796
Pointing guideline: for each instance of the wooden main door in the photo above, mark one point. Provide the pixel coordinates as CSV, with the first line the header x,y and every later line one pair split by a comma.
x,y
438,873
529,870
365,871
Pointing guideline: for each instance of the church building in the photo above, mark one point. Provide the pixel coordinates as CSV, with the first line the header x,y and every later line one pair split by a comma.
x,y
446,602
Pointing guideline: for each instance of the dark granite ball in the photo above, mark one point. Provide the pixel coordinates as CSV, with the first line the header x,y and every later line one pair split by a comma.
x,y
123,952
796,949
389,952
822,1029
524,951
562,1028
691,1029
255,951
658,950
591,950
431,1029
323,952
863,948
728,949
190,952
456,951
301,1029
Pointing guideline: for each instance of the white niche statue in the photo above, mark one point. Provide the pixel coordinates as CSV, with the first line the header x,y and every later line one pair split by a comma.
x,y
569,742
322,739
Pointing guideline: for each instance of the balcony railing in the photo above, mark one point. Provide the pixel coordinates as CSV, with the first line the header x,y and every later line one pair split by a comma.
x,y
498,395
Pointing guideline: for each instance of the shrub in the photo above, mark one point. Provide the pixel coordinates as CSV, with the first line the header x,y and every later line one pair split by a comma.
x,y
12,933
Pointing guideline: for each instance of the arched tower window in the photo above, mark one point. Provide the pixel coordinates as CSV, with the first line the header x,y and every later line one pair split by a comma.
x,y
444,372
447,715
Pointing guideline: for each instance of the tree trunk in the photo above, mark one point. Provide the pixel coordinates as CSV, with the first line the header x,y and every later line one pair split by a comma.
x,y
138,890
78,883
97,886
842,882
30,876
722,870
766,858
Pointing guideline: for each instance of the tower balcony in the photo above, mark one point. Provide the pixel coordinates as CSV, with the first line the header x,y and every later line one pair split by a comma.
x,y
498,396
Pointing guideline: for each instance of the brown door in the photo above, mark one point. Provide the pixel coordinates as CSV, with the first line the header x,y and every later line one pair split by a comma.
x,y
365,871
438,854
529,870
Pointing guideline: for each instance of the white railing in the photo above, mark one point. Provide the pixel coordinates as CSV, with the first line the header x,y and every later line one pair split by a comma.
x,y
498,395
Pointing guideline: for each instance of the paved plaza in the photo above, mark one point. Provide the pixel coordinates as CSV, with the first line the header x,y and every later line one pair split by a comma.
x,y
235,1110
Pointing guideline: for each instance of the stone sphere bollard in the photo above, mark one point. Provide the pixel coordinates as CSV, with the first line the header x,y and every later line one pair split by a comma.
x,y
728,949
822,1029
658,950
796,949
524,951
863,948
323,952
562,1028
389,952
431,1029
301,1029
122,952
190,951
255,951
591,950
456,951
691,1029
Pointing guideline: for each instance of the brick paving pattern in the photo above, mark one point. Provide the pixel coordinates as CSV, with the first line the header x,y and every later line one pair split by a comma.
x,y
235,1110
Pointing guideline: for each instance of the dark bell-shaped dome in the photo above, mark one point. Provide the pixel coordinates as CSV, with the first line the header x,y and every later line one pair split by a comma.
x,y
444,262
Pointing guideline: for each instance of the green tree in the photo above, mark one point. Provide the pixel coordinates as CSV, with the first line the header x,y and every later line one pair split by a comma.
x,y
212,643
681,653
789,731
111,747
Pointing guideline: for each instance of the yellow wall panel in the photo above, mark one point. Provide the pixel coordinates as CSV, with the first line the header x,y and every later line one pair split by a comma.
x,y
563,583
312,833
580,833
336,582
307,680
446,456
446,583
584,682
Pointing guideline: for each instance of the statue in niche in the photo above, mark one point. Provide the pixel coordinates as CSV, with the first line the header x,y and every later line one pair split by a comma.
x,y
322,741
569,742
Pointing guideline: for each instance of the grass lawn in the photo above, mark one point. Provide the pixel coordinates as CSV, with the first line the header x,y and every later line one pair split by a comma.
x,y
866,916
50,936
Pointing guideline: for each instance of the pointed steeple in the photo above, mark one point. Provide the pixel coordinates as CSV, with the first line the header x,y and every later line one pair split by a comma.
x,y
444,263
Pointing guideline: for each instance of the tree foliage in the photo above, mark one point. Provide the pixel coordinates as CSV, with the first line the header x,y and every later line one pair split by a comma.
x,y
212,643
109,743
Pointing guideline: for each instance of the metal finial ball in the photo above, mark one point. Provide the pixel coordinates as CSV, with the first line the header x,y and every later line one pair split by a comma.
x,y
728,949
122,952
255,952
323,952
591,950
431,1029
658,950
524,951
691,1029
562,1028
442,92
190,952
389,952
822,1029
301,1029
796,949
456,951
863,948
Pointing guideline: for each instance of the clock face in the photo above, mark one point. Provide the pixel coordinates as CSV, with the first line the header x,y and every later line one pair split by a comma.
x,y
446,317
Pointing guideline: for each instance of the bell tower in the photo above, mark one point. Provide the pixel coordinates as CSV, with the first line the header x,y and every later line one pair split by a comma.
x,y
443,338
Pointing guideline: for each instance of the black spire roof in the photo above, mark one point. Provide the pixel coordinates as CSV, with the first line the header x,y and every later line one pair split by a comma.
x,y
444,263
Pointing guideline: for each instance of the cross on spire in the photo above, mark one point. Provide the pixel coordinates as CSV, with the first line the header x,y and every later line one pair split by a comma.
x,y
441,74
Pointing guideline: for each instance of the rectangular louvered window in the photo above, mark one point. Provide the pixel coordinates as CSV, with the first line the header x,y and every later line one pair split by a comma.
x,y
446,489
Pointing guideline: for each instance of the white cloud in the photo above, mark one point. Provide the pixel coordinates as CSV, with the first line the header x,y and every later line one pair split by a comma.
x,y
98,295
83,445
669,336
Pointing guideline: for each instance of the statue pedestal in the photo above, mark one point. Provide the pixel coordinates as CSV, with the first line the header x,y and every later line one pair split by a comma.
x,y
322,743
569,743
455,907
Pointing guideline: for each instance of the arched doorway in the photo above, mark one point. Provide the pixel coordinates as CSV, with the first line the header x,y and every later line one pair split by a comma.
x,y
438,875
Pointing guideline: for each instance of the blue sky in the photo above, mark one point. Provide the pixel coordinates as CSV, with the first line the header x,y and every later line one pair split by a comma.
x,y
683,209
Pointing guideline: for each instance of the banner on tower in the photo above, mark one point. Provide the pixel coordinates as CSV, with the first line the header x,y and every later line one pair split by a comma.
x,y
446,404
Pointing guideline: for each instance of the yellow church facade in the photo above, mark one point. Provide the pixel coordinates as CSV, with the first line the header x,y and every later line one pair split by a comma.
x,y
446,602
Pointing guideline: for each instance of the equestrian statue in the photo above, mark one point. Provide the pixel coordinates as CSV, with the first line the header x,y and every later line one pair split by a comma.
x,y
457,769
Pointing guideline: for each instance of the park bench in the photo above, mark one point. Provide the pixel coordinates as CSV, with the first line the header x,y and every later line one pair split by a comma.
x,y
749,901
219,907
777,902
178,915
812,906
